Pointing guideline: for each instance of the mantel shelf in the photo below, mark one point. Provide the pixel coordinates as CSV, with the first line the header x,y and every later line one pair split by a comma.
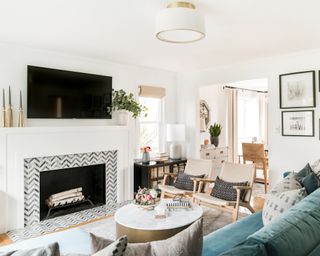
x,y
57,129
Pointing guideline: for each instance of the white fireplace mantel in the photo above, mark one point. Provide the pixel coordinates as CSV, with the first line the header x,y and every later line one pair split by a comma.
x,y
16,144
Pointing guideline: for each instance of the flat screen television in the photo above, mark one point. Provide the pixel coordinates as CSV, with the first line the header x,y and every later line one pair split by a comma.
x,y
54,93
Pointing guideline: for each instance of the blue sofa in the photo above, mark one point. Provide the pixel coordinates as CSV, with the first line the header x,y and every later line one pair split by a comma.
x,y
296,233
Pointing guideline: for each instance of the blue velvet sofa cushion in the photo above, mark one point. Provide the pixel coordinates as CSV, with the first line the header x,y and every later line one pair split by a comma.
x,y
296,233
248,248
315,252
231,235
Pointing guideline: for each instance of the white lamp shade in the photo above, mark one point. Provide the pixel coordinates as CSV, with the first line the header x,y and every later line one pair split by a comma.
x,y
180,25
176,132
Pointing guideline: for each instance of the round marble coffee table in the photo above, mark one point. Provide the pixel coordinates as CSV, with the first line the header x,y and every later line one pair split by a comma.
x,y
140,225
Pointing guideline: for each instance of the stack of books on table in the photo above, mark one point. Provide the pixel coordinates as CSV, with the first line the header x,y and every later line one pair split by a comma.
x,y
161,157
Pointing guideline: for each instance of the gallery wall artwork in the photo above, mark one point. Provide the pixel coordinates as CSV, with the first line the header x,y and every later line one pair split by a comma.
x,y
298,123
297,90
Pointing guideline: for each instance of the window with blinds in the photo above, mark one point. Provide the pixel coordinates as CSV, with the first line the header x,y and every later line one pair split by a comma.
x,y
151,127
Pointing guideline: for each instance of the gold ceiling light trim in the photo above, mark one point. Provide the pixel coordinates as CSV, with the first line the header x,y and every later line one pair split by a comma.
x,y
182,4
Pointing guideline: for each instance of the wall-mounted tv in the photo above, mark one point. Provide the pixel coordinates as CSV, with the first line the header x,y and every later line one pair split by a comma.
x,y
54,93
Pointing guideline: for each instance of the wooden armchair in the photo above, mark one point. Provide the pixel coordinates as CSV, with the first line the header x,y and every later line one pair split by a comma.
x,y
230,172
193,167
255,153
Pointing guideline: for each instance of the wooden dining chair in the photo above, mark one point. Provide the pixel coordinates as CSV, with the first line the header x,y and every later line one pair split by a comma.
x,y
255,153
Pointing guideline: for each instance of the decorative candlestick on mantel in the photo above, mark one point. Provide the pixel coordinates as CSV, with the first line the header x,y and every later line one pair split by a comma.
x,y
21,117
3,120
9,112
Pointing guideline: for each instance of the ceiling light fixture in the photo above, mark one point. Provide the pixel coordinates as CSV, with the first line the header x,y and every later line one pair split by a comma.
x,y
180,22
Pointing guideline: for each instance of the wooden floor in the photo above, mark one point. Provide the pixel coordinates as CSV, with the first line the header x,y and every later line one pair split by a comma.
x,y
4,240
256,202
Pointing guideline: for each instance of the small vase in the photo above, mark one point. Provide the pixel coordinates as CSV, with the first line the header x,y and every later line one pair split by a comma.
x,y
145,157
122,117
215,140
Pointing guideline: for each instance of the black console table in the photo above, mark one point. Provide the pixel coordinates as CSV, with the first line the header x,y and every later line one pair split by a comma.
x,y
149,175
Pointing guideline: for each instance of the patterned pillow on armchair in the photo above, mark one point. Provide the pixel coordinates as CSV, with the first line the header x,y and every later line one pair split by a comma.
x,y
224,190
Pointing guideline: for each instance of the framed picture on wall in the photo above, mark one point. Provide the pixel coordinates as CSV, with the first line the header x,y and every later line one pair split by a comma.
x,y
298,123
297,90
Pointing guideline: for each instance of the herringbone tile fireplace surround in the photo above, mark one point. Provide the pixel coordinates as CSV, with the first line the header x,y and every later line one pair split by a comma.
x,y
33,167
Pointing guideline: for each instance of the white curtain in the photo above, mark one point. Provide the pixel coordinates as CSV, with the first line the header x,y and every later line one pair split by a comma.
x,y
233,124
247,120
263,114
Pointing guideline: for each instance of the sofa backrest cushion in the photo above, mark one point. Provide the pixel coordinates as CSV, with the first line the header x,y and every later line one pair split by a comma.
x,y
296,233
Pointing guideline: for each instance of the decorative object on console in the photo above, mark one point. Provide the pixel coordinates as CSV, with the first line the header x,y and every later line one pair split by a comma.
x,y
175,135
9,112
180,22
215,131
145,154
124,103
204,115
3,120
21,116
297,90
298,123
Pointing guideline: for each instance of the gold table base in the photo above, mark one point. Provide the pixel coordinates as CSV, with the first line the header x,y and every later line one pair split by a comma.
x,y
143,236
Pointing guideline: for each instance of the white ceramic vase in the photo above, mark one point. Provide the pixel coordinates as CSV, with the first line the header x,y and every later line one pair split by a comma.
x,y
123,116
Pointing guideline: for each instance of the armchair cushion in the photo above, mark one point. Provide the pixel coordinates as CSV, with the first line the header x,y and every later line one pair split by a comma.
x,y
224,190
185,182
207,198
173,190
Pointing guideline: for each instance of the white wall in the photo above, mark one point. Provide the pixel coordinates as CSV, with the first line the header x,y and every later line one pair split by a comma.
x,y
286,153
216,98
13,71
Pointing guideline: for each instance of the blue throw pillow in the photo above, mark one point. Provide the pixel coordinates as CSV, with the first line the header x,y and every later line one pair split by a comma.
x,y
311,182
305,171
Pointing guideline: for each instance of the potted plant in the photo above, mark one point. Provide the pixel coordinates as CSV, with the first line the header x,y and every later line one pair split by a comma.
x,y
215,131
123,103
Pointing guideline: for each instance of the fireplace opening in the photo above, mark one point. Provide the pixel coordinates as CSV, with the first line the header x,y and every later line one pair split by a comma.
x,y
70,190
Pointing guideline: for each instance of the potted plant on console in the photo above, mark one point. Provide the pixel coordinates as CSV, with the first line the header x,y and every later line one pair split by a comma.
x,y
123,103
215,131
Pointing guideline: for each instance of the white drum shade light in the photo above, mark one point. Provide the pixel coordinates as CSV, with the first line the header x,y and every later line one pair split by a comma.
x,y
180,22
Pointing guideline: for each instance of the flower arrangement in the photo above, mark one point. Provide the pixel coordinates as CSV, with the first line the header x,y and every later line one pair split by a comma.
x,y
146,149
146,196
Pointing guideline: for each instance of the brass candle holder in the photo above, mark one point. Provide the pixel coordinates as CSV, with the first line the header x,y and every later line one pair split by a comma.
x,y
9,116
21,118
3,120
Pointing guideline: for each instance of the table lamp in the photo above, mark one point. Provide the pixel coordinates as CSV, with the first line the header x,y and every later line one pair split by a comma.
x,y
175,134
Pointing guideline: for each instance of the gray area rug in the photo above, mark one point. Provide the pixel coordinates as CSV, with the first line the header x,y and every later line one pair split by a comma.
x,y
213,219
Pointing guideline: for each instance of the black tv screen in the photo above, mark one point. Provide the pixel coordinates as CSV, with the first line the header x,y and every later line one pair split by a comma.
x,y
54,93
